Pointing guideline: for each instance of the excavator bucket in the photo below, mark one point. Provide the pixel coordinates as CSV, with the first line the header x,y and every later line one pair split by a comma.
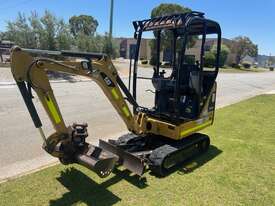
x,y
99,160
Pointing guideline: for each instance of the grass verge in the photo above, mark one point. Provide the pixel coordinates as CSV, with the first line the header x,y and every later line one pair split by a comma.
x,y
4,64
223,70
242,70
239,169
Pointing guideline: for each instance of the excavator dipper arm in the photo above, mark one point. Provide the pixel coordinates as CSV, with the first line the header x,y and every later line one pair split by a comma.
x,y
68,142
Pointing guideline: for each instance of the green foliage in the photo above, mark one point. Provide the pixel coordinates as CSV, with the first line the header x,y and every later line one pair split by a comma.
x,y
89,44
46,32
223,55
83,24
49,22
236,66
20,32
167,36
144,61
167,9
49,32
209,59
190,59
246,65
243,46
64,38
109,46
153,59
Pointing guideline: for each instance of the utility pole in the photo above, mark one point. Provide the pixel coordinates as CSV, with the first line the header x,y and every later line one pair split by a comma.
x,y
111,20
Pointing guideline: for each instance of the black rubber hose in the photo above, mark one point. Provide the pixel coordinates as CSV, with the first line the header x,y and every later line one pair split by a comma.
x,y
28,101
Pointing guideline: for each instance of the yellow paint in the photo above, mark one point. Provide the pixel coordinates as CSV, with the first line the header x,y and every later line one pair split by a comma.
x,y
115,94
194,129
53,110
126,111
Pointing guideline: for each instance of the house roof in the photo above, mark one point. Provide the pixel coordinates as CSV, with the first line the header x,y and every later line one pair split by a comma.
x,y
249,59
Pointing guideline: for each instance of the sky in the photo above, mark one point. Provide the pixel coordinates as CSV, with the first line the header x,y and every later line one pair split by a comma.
x,y
252,18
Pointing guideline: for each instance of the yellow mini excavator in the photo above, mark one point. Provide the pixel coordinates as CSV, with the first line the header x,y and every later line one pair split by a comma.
x,y
159,137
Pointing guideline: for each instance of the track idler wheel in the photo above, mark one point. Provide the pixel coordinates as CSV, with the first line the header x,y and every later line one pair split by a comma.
x,y
204,144
158,159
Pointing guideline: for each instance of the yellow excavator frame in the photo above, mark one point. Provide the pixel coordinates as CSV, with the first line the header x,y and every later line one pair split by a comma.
x,y
161,137
33,70
30,70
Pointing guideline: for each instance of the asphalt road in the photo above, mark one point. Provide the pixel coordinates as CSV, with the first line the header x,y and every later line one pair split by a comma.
x,y
20,146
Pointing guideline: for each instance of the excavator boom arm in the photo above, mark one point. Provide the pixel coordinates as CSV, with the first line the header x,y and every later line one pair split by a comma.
x,y
31,73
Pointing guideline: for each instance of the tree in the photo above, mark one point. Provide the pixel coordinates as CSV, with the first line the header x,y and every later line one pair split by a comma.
x,y
49,23
37,30
243,46
109,46
167,36
90,44
20,32
223,55
209,59
46,32
51,33
83,24
63,36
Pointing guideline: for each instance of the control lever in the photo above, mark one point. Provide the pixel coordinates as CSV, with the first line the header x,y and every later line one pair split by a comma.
x,y
162,73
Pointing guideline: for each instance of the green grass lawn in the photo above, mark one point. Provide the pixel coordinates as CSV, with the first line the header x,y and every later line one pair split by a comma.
x,y
242,70
239,70
4,64
239,169
223,70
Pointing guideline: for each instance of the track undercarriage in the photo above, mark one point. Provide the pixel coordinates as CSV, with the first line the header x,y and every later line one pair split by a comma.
x,y
159,153
133,152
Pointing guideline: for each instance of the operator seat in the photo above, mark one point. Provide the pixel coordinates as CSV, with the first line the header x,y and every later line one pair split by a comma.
x,y
189,88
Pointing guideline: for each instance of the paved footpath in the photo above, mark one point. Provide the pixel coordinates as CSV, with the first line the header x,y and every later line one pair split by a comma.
x,y
20,148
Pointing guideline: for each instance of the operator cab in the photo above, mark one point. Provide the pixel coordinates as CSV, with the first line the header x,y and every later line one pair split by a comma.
x,y
181,92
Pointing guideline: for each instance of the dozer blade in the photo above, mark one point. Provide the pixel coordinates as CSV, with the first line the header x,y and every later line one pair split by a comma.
x,y
99,160
128,160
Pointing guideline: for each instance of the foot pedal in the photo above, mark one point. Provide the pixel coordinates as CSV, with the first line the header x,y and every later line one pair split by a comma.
x,y
99,160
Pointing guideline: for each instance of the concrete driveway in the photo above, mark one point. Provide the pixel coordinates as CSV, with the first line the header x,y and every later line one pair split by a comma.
x,y
20,148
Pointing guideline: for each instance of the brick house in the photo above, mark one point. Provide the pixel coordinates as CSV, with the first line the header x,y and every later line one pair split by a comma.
x,y
127,47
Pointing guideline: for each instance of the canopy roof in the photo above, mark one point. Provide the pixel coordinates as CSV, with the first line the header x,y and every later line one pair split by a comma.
x,y
192,21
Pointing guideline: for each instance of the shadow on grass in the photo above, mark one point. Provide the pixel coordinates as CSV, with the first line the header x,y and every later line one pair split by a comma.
x,y
199,160
84,189
81,188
